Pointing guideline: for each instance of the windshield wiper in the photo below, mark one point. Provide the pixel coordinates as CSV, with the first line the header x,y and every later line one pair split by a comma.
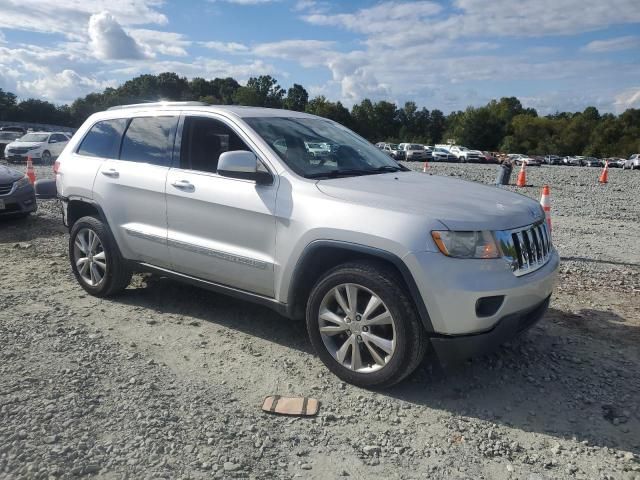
x,y
339,173
390,168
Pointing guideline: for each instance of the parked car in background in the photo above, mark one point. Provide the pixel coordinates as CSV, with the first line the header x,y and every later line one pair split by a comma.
x,y
42,147
394,152
441,155
615,162
573,161
7,137
414,152
488,157
440,269
519,159
552,160
632,162
17,196
462,153
592,162
14,129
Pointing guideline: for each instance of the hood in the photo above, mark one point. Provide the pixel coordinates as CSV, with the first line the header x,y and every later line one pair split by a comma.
x,y
459,204
25,144
9,175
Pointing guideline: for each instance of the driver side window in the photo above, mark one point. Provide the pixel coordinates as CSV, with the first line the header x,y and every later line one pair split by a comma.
x,y
204,140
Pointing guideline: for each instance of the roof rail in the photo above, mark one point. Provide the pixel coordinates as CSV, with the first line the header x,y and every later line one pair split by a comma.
x,y
159,104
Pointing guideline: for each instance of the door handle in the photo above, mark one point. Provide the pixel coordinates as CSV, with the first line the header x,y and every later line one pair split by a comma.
x,y
183,185
113,173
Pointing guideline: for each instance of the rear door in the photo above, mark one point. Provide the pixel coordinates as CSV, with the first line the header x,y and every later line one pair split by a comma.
x,y
131,188
220,229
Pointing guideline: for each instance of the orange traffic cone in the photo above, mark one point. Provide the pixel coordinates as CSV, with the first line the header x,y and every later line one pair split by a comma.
x,y
545,201
522,177
31,173
604,176
425,167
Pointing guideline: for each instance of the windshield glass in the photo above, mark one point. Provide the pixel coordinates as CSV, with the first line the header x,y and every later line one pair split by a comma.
x,y
415,146
34,137
344,153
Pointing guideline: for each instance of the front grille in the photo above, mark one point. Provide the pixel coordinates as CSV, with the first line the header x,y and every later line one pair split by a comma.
x,y
5,188
526,249
18,151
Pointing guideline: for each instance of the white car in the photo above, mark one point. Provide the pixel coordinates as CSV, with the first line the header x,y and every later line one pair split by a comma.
x,y
463,154
632,162
40,146
414,152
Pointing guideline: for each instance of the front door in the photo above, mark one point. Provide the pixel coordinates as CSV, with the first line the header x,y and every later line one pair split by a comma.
x,y
220,229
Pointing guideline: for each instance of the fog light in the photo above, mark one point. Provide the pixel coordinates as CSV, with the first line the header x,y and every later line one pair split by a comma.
x,y
488,306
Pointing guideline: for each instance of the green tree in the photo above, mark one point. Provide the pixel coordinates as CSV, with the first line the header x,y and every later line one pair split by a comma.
x,y
297,98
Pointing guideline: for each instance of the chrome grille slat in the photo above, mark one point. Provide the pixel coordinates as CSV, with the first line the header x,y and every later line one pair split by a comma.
x,y
526,249
5,188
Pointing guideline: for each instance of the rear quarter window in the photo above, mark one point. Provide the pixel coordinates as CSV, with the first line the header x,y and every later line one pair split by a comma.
x,y
103,139
149,140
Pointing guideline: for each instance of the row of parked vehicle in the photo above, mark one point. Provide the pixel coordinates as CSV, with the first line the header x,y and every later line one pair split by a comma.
x,y
456,153
438,153
16,144
631,163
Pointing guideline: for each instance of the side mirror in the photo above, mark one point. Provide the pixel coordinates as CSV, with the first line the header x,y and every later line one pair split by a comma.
x,y
45,189
242,164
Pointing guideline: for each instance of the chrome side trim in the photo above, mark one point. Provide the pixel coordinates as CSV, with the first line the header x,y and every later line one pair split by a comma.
x,y
210,252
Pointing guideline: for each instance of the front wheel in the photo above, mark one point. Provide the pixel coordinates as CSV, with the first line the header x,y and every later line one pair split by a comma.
x,y
95,259
363,326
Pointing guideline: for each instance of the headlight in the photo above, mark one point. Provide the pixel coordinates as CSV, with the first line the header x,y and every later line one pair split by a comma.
x,y
466,244
23,182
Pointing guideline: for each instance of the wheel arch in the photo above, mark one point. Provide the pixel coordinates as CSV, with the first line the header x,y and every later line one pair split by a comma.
x,y
80,207
322,255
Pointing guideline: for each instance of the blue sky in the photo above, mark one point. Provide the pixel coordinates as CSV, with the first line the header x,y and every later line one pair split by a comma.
x,y
552,54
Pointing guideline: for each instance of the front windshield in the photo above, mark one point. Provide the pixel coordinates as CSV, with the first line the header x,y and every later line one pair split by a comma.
x,y
416,147
34,137
343,152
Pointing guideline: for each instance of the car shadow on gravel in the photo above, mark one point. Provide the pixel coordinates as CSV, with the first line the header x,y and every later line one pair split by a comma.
x,y
170,296
540,382
604,262
29,228
547,381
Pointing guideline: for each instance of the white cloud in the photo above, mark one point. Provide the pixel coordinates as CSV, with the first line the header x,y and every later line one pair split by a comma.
x,y
69,17
65,86
309,53
628,99
226,47
159,42
613,44
245,2
109,41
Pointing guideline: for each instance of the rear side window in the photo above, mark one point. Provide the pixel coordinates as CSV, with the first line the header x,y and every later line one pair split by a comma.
x,y
149,140
103,140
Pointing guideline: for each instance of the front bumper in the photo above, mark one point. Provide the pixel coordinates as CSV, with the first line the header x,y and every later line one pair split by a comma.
x,y
453,349
19,201
452,290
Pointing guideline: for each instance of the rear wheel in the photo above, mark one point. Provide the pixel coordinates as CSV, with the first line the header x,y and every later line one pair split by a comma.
x,y
363,326
95,259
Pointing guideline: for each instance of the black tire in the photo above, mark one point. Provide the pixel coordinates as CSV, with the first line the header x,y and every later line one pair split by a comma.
x,y
410,337
118,274
45,159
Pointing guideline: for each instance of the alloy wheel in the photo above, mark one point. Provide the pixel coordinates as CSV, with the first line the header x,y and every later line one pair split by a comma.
x,y
90,257
357,328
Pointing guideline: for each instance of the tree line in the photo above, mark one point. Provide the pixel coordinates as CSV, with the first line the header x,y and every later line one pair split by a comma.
x,y
501,125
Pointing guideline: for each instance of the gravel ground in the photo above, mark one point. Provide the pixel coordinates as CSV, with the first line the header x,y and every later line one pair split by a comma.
x,y
166,380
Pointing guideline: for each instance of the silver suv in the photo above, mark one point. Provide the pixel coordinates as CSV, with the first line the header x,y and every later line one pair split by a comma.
x,y
383,263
